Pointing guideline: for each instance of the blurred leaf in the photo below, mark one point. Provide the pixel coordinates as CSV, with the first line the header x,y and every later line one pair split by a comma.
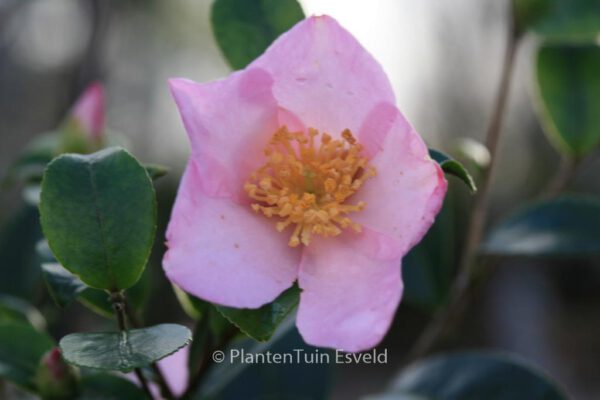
x,y
569,94
109,387
245,28
63,286
17,310
260,323
98,213
473,152
192,306
156,171
453,167
222,375
566,226
30,165
290,381
21,348
464,376
124,351
559,20
19,263
428,268
31,194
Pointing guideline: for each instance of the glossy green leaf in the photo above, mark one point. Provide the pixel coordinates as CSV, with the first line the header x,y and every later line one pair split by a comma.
x,y
569,96
13,309
98,213
63,286
124,351
560,20
109,387
245,28
428,268
260,323
465,376
21,348
453,167
566,226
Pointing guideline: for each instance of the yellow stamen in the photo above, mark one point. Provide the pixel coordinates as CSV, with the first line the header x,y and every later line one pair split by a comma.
x,y
307,186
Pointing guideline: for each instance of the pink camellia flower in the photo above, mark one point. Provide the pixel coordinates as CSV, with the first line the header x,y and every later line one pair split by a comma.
x,y
88,112
302,168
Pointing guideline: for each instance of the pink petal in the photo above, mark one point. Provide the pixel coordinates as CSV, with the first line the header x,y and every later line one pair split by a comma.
x,y
89,112
229,123
408,191
324,76
223,252
351,287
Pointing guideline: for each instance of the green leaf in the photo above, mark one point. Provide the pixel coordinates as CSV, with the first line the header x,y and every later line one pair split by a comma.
x,y
156,171
17,310
566,226
30,165
245,28
569,96
109,387
98,213
261,323
473,376
453,167
428,268
124,351
192,306
63,286
19,263
559,20
21,348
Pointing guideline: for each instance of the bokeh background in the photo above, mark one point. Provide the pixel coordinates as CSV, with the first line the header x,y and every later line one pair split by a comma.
x,y
443,59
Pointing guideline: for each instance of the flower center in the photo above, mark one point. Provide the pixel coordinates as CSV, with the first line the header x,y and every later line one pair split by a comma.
x,y
306,184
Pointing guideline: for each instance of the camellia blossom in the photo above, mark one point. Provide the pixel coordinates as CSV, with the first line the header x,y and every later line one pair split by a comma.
x,y
302,169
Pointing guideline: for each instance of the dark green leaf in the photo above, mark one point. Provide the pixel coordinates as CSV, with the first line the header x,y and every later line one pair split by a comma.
x,y
260,323
19,263
98,213
124,351
109,387
453,167
245,28
569,94
21,348
17,310
567,226
428,268
63,286
559,20
473,376
97,301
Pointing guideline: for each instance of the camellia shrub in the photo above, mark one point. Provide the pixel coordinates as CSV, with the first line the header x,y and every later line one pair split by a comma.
x,y
305,192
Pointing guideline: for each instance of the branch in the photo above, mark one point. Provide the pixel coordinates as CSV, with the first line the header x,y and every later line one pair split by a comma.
x,y
446,317
118,302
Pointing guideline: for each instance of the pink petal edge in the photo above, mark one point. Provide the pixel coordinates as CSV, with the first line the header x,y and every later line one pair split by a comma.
x,y
351,287
325,77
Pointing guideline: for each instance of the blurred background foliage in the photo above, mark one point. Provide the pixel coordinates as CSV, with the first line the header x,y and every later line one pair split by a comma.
x,y
444,60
